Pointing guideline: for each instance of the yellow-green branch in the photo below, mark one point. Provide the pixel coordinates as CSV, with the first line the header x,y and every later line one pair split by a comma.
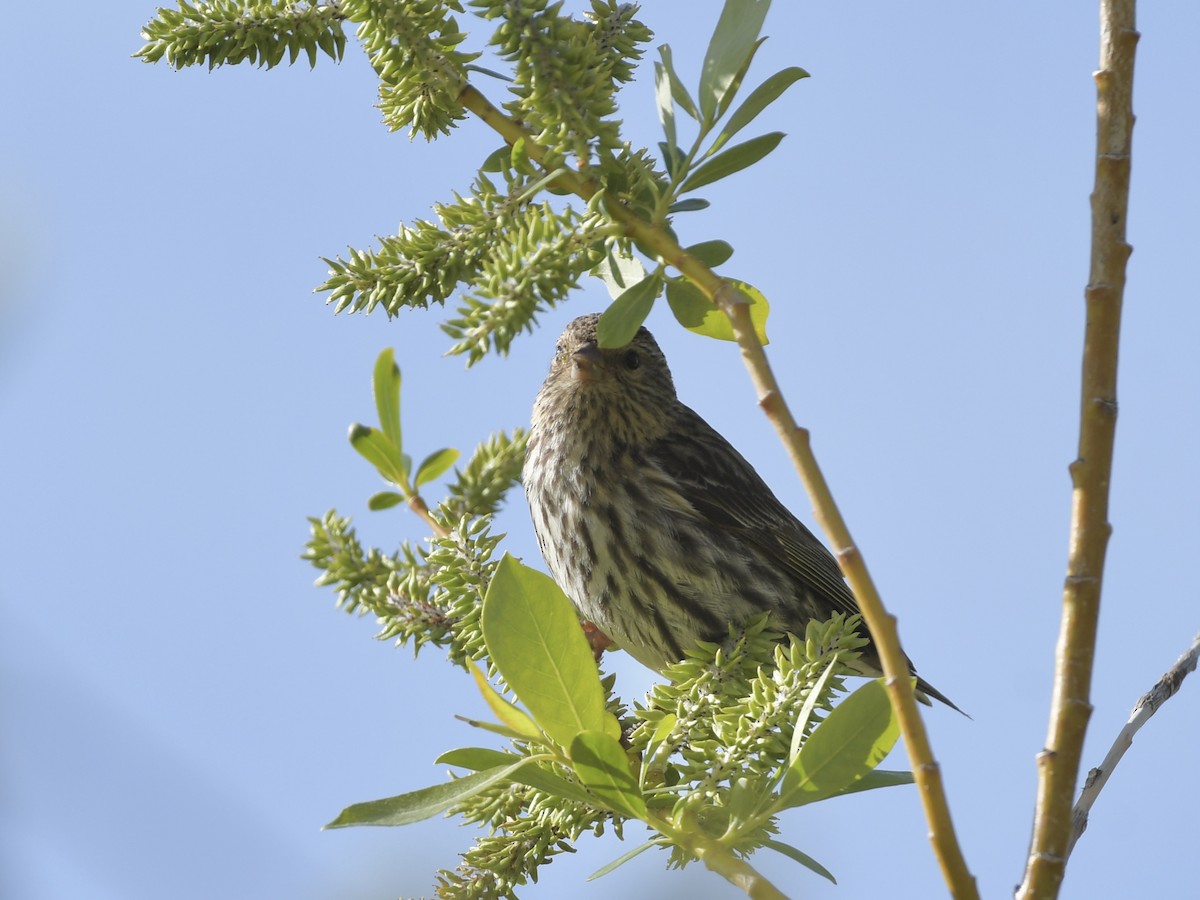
x,y
1091,472
881,625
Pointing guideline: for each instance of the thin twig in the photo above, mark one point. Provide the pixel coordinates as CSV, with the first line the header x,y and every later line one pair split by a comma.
x,y
417,504
880,624
1166,688
1058,764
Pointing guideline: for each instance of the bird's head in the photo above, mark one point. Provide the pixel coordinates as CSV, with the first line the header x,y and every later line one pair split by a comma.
x,y
630,386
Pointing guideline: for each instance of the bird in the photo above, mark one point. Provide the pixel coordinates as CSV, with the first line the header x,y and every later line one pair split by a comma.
x,y
658,530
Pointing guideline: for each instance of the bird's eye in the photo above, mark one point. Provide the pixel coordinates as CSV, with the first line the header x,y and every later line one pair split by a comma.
x,y
631,359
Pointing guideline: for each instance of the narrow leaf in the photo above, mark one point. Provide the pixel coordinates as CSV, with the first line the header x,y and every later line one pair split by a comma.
x,y
692,204
762,97
492,727
806,710
533,775
678,91
384,500
434,465
666,106
733,41
423,804
602,766
621,860
879,778
735,83
510,715
732,160
673,157
386,383
801,857
620,322
852,741
374,446
532,633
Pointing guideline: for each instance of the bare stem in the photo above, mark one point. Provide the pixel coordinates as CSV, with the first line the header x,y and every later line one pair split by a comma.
x,y
881,625
1147,706
417,504
1091,472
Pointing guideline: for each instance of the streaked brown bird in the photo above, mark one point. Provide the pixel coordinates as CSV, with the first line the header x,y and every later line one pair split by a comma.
x,y
659,531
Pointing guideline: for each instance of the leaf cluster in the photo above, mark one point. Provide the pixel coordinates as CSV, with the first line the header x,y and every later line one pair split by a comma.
x,y
259,32
510,251
420,595
742,732
566,72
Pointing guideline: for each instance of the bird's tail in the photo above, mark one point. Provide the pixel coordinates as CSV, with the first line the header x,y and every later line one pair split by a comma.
x,y
925,690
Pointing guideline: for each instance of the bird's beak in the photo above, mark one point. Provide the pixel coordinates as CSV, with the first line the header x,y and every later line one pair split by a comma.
x,y
588,361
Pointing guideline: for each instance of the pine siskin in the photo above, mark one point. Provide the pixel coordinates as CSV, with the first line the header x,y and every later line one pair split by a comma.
x,y
657,529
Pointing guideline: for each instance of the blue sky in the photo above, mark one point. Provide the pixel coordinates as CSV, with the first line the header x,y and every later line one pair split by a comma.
x,y
182,710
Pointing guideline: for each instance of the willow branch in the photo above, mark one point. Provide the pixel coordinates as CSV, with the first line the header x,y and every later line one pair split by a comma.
x,y
880,624
720,859
1148,705
1091,472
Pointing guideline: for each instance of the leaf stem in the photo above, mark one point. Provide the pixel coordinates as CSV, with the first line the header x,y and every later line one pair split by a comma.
x,y
417,504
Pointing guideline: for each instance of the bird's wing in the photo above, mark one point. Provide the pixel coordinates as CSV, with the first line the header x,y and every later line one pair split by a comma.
x,y
724,490
721,487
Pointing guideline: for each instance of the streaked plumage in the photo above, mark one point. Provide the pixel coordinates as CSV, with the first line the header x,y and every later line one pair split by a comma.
x,y
659,531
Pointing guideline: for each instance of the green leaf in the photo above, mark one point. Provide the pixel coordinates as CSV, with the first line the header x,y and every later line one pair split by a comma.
x,y
732,160
736,83
876,778
673,157
879,778
386,383
852,741
497,160
697,313
492,727
733,44
533,775
519,156
620,322
762,97
806,710
678,91
425,803
533,636
666,106
434,465
692,204
621,860
602,766
384,500
510,715
477,759
619,272
374,446
801,857
661,732
711,253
